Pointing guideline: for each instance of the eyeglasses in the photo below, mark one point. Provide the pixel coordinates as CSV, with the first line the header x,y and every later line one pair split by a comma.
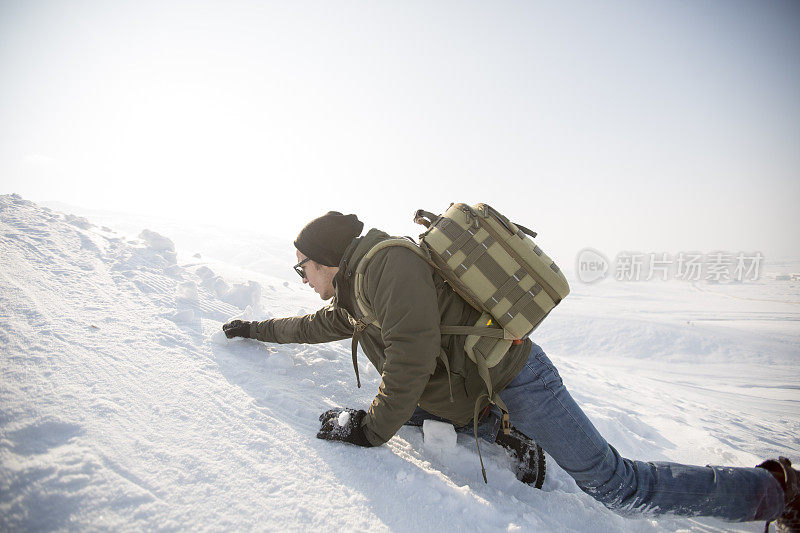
x,y
299,268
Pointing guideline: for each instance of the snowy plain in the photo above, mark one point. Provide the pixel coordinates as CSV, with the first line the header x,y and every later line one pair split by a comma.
x,y
124,407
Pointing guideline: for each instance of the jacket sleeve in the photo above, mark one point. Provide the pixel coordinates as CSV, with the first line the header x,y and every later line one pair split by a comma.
x,y
328,324
399,287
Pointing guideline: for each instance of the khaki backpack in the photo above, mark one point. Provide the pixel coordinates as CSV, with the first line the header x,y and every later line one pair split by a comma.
x,y
497,268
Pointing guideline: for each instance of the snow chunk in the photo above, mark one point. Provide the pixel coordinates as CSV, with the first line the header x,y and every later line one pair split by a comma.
x,y
187,291
344,418
219,287
247,314
156,241
163,246
440,435
173,270
212,282
79,222
242,294
204,273
219,338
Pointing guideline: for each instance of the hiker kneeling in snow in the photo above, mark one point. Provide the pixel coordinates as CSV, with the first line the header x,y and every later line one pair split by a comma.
x,y
427,374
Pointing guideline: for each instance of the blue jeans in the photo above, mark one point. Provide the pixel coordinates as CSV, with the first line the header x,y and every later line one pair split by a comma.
x,y
541,408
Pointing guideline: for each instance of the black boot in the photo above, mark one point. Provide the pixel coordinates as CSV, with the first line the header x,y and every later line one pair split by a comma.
x,y
789,478
529,456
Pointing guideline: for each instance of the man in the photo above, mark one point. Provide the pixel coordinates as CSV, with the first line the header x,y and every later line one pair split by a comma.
x,y
425,374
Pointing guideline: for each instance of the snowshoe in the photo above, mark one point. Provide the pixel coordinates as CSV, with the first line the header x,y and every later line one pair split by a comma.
x,y
529,456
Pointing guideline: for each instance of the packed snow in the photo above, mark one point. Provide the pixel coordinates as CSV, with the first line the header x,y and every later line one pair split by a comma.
x,y
124,407
343,419
439,435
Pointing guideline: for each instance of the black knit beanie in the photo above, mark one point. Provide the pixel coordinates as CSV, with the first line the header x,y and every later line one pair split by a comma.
x,y
325,239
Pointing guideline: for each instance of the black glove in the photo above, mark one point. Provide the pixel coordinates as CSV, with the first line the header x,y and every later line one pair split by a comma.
x,y
237,328
352,432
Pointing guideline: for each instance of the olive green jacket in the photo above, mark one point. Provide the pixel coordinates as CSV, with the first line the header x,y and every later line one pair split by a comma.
x,y
410,301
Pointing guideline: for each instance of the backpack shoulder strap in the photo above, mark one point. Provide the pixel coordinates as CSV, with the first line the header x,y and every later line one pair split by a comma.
x,y
369,317
358,285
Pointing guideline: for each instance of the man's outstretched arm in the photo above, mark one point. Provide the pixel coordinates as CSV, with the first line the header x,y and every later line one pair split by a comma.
x,y
326,325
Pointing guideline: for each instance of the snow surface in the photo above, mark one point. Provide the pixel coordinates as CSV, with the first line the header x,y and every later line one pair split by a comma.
x,y
123,406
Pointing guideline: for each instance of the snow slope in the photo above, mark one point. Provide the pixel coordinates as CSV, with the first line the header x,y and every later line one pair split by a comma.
x,y
123,406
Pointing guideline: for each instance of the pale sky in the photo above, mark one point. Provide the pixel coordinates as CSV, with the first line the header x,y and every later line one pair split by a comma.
x,y
658,126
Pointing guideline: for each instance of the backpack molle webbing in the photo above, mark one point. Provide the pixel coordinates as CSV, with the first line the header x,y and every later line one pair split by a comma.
x,y
501,270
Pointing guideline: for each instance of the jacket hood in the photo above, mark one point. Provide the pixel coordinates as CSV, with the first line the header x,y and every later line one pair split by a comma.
x,y
343,281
